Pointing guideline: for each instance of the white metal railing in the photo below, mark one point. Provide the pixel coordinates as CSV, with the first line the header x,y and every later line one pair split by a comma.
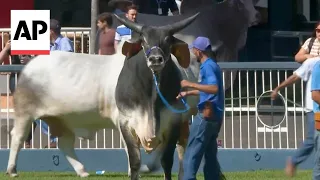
x,y
241,127
79,36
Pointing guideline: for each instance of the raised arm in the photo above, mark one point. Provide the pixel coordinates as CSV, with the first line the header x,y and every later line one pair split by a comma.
x,y
211,87
5,53
303,53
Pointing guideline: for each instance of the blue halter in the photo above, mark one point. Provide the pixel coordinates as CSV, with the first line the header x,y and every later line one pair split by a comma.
x,y
187,107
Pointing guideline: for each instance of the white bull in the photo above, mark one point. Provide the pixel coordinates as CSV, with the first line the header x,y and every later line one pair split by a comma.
x,y
74,94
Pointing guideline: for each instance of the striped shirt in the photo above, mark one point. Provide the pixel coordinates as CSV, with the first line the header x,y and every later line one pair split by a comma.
x,y
315,49
122,33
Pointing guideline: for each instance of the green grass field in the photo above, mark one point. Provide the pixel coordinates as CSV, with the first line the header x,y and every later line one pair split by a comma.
x,y
254,175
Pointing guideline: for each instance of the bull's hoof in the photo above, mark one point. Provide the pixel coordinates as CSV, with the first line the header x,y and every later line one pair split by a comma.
x,y
13,175
148,168
12,172
129,176
84,175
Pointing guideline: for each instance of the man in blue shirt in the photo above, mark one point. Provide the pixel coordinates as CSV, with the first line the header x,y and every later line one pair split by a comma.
x,y
315,93
206,124
58,42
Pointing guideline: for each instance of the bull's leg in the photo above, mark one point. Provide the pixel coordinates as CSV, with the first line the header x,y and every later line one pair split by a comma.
x,y
168,153
66,145
181,146
180,150
126,149
19,133
133,151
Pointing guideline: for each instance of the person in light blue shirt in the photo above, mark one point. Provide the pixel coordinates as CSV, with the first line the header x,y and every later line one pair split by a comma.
x,y
58,42
315,93
204,130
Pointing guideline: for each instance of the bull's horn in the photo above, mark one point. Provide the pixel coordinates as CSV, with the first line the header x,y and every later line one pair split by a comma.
x,y
176,27
132,25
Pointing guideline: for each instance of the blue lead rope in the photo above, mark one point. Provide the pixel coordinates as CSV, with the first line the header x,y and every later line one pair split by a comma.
x,y
166,102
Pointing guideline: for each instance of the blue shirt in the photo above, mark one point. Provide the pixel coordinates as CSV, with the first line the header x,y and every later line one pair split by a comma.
x,y
315,84
123,33
210,74
62,44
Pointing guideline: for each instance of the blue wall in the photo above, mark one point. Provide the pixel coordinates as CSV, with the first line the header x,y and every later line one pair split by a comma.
x,y
116,161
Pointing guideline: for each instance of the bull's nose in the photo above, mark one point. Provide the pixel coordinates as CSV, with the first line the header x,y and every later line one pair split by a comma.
x,y
156,60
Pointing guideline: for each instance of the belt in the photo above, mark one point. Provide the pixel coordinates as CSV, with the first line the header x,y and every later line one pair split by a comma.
x,y
317,120
200,113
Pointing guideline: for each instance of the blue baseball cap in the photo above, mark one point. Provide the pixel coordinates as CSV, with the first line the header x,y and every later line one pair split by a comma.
x,y
201,43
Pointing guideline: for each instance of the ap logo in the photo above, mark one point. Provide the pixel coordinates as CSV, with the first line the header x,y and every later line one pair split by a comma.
x,y
30,32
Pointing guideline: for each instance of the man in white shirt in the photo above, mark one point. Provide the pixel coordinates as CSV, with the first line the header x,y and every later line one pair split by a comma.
x,y
303,72
124,33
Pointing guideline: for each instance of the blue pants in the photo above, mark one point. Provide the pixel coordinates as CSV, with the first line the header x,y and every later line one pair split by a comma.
x,y
308,144
316,168
202,141
44,126
12,87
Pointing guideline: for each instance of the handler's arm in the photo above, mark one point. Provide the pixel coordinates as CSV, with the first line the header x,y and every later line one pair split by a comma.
x,y
192,93
4,54
212,84
292,79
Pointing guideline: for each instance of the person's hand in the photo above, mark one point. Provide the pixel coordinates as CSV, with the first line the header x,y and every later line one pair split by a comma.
x,y
274,94
8,45
185,83
182,94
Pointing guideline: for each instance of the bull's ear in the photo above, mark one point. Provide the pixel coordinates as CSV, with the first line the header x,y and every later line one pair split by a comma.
x,y
131,48
181,51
